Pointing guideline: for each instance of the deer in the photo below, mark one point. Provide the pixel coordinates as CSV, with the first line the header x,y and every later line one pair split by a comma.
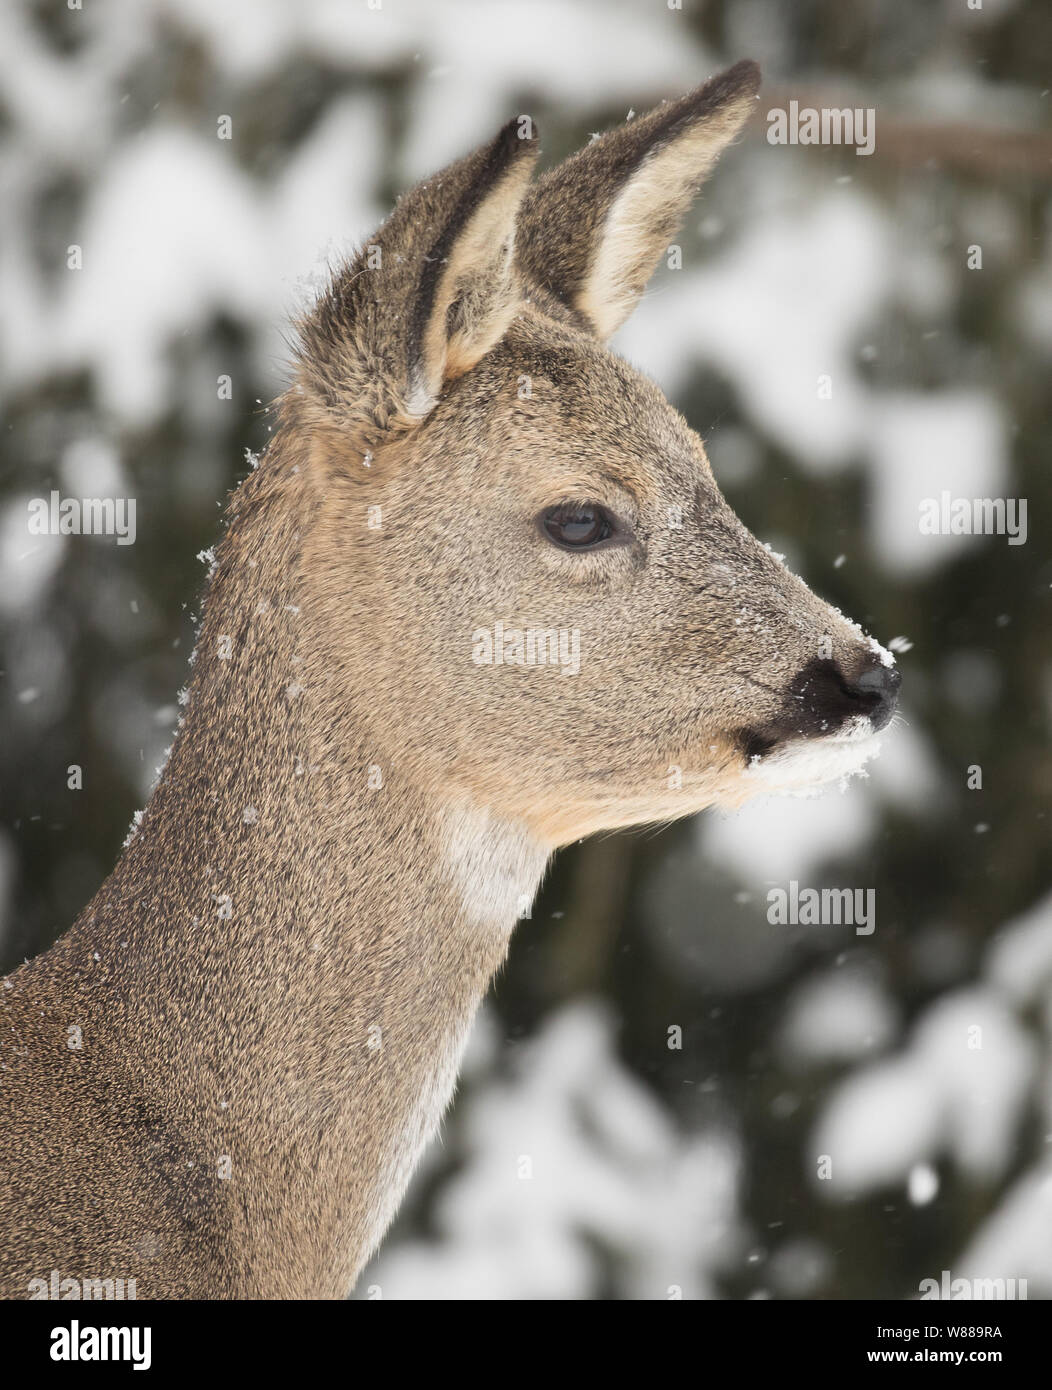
x,y
219,1081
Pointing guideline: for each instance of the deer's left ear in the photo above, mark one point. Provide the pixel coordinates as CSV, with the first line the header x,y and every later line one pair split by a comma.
x,y
593,229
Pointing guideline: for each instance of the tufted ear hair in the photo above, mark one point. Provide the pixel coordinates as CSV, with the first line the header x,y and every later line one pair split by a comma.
x,y
433,292
593,229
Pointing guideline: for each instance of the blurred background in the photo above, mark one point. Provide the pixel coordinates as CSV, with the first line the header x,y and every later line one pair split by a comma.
x,y
665,1095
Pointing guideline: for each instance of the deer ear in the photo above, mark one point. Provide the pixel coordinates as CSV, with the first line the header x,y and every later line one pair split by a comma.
x,y
593,229
430,295
469,290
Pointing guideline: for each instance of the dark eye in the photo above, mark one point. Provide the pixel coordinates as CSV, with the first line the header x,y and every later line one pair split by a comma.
x,y
577,525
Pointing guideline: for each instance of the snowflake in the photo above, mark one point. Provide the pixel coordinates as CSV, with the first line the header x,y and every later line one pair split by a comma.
x,y
133,829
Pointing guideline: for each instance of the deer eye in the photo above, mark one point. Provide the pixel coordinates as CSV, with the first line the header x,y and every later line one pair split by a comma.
x,y
577,525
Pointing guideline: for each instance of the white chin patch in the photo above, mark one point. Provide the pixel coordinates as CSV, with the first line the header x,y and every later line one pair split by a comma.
x,y
803,765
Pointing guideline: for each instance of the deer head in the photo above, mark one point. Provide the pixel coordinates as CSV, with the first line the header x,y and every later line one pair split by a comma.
x,y
520,539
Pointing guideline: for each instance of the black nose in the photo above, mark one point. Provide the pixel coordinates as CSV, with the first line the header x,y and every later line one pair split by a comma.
x,y
876,692
822,698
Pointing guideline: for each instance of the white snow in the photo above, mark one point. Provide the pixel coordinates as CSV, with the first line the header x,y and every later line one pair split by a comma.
x,y
840,1016
1019,959
27,562
1015,1241
777,838
777,311
922,1185
957,1088
922,445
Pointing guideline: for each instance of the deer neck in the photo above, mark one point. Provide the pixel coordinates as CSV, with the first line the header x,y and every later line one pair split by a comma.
x,y
310,930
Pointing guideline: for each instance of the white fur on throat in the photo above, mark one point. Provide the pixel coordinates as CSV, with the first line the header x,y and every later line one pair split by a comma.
x,y
804,764
495,865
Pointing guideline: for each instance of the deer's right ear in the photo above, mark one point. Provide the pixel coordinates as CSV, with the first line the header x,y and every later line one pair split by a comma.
x,y
592,230
468,290
432,294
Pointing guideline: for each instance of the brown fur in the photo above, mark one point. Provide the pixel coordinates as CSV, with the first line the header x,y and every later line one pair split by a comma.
x,y
278,906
